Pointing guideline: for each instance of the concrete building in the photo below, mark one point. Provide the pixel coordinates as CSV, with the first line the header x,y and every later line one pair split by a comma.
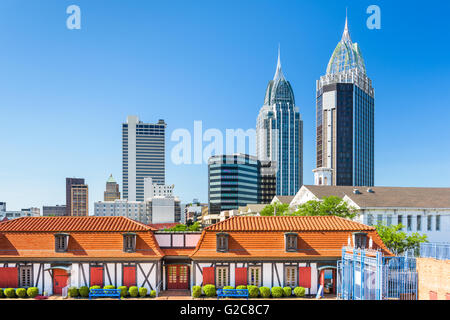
x,y
2,206
152,189
28,212
422,210
79,202
345,119
163,209
69,183
135,210
143,154
112,190
193,211
55,211
279,133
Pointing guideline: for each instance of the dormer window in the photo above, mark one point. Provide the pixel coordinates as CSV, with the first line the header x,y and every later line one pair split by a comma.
x,y
360,240
222,242
61,242
290,239
129,242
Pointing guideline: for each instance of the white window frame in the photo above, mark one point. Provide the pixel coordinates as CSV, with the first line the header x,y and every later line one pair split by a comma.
x,y
222,276
258,272
289,272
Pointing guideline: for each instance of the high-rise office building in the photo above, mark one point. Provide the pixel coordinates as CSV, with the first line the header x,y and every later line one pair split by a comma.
x,y
54,211
79,200
69,183
345,119
237,180
279,134
112,190
2,206
143,155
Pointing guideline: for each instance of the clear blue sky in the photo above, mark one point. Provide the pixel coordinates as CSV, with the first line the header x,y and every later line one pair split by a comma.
x,y
65,93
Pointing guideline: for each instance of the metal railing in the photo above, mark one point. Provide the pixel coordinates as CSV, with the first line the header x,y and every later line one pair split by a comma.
x,y
440,251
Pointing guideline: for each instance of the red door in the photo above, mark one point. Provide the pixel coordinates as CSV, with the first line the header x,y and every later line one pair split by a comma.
x,y
177,277
129,276
9,278
96,276
60,280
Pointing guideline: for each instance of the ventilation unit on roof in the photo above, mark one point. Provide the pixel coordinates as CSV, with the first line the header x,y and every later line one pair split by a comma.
x,y
370,190
356,191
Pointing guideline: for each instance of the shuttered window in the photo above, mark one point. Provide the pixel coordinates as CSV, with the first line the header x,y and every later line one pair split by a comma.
x,y
9,277
222,276
254,276
304,277
129,276
25,276
290,276
240,276
208,275
96,276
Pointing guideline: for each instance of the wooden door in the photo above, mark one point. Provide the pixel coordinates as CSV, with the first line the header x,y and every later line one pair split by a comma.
x,y
60,280
177,277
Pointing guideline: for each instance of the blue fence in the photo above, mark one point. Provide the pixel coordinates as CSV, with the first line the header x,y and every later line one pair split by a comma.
x,y
440,251
367,275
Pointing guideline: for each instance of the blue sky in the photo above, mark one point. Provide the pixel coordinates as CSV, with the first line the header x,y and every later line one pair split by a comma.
x,y
65,93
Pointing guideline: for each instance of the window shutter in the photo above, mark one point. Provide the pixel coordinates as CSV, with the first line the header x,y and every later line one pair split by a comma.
x,y
304,277
129,276
208,275
96,276
240,276
9,277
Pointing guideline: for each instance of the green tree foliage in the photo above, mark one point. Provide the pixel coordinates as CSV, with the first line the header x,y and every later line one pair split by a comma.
x,y
282,209
182,227
328,206
399,241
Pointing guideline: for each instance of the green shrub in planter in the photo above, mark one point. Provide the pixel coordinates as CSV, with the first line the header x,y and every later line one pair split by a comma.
x,y
2,294
228,287
21,292
133,291
142,291
299,291
253,291
109,287
83,291
277,292
209,290
264,292
94,287
32,292
153,294
287,291
196,291
10,293
123,291
241,287
73,292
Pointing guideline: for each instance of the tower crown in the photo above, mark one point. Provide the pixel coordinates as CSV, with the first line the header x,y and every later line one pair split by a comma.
x,y
279,89
346,56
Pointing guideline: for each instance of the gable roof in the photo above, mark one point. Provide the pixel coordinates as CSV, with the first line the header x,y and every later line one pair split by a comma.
x,y
395,197
161,226
284,199
71,224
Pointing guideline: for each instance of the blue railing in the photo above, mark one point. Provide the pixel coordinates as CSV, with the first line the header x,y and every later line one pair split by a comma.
x,y
440,251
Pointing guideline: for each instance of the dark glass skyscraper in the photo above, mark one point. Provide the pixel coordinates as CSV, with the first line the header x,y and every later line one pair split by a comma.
x,y
345,119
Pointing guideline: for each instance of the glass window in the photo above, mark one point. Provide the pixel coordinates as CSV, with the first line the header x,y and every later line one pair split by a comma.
x,y
429,223
369,219
25,276
409,222
360,239
254,276
379,219
222,242
290,278
291,242
400,220
419,223
222,276
389,220
438,223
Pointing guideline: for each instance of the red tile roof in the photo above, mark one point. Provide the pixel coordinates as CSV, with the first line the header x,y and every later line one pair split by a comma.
x,y
71,224
287,223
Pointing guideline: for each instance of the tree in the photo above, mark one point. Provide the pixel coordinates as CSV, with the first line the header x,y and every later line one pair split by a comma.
x,y
328,206
281,209
182,227
397,240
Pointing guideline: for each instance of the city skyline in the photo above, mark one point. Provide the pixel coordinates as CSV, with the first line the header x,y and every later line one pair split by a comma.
x,y
79,72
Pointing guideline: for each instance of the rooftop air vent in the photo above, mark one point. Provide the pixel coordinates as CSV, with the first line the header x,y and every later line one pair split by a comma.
x,y
370,190
356,191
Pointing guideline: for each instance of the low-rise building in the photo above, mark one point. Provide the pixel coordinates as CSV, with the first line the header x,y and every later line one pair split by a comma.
x,y
135,210
55,211
422,210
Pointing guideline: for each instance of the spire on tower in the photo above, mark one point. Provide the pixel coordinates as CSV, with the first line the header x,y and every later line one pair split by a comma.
x,y
279,72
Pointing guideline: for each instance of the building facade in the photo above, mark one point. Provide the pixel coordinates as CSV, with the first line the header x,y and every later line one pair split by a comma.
x,y
279,134
152,189
143,155
69,183
56,211
2,206
79,200
112,190
345,119
163,209
135,210
422,210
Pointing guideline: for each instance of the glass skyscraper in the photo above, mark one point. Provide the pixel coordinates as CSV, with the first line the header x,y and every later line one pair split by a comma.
x,y
143,155
345,119
279,134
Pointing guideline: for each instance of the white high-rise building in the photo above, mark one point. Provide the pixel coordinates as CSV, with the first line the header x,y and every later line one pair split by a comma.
x,y
143,154
153,189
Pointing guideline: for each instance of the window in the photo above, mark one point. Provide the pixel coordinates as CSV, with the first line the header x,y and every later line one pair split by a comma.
x,y
409,223
290,276
222,242
429,224
290,242
419,223
360,239
438,222
379,219
222,276
254,276
389,220
61,242
25,276
369,219
129,242
399,220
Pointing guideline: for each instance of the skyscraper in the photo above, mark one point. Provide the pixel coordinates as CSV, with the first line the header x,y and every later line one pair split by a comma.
x,y
345,119
69,183
112,190
79,200
143,154
279,134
